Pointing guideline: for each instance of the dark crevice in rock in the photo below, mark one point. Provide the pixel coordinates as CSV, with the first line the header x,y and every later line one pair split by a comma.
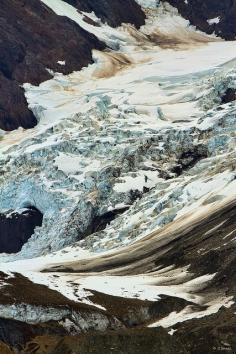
x,y
229,96
17,227
134,195
189,159
100,222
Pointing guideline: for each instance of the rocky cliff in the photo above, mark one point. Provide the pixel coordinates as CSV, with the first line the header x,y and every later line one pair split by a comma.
x,y
210,16
36,42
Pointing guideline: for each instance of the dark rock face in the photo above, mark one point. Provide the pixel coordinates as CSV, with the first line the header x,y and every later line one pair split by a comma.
x,y
198,12
229,96
121,342
16,229
14,110
114,13
33,39
16,333
100,222
211,334
139,341
188,159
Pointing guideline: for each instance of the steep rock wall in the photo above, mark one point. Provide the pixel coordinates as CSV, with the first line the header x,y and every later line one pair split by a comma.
x,y
210,16
115,13
34,39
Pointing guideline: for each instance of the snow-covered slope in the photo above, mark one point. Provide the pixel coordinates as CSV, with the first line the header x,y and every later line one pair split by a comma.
x,y
132,165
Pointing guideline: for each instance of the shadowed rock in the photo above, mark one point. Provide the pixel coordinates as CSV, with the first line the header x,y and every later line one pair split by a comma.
x,y
229,96
16,228
210,16
34,39
114,13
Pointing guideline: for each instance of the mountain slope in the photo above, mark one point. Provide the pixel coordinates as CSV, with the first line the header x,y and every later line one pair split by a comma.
x,y
120,11
34,41
210,16
131,171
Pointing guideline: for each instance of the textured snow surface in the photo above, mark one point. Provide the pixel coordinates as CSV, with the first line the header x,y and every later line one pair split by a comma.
x,y
114,134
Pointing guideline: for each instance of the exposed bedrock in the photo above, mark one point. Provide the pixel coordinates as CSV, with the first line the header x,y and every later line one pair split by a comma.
x,y
120,342
210,16
34,39
115,13
14,110
17,227
15,333
123,342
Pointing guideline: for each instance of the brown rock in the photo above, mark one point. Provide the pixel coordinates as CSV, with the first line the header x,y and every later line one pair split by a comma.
x,y
114,13
198,12
33,39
